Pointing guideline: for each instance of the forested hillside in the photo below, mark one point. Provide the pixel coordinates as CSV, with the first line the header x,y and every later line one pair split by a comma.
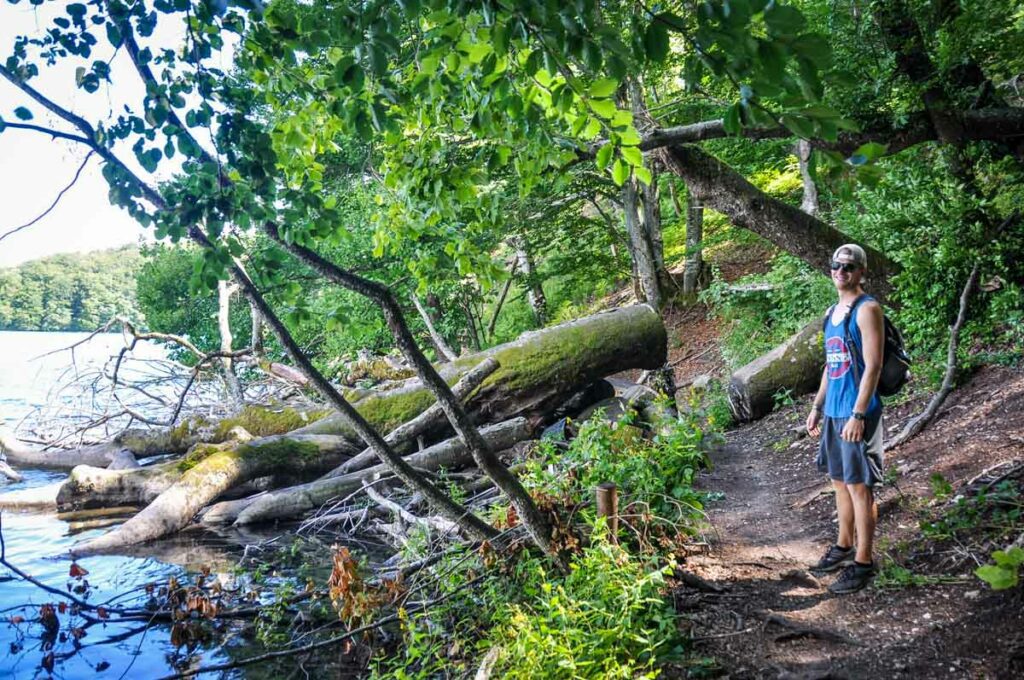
x,y
74,292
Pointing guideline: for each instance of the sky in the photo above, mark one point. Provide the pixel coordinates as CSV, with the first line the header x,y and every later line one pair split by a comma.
x,y
35,168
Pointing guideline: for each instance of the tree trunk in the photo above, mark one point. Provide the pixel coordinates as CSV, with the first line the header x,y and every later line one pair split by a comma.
x,y
640,246
501,300
719,187
444,351
809,202
694,238
534,291
227,366
795,365
651,212
289,503
258,349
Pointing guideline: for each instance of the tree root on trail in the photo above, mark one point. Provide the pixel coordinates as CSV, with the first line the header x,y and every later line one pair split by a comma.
x,y
799,630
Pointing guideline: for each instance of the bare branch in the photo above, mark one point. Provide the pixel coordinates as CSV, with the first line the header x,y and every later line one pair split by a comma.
x,y
55,201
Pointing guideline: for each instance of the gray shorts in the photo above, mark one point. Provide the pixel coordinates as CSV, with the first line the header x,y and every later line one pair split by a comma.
x,y
851,462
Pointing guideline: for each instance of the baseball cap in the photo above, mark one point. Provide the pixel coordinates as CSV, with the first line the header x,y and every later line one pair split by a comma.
x,y
854,252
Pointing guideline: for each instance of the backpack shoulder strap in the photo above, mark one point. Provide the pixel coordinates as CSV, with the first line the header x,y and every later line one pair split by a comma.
x,y
853,310
825,320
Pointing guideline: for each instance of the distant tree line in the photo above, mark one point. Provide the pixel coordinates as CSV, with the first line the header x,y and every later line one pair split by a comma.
x,y
76,292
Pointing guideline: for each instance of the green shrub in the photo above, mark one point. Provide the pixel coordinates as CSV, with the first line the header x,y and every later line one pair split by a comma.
x,y
606,619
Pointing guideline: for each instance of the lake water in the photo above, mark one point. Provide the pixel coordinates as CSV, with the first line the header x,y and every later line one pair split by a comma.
x,y
35,542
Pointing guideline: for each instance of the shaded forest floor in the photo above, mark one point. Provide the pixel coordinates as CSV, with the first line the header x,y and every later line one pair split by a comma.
x,y
926,616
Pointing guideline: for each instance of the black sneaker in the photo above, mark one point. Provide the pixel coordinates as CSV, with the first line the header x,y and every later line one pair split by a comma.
x,y
853,578
834,558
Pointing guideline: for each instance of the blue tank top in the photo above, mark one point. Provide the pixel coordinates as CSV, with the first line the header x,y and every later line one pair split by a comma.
x,y
841,396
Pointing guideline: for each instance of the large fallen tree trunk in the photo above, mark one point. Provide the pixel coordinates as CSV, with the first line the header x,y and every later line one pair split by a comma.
x,y
215,474
536,372
288,503
795,365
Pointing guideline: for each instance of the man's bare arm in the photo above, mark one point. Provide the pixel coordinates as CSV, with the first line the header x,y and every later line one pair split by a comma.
x,y
871,325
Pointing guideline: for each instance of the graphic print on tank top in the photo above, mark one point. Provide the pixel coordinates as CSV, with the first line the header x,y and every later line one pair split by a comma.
x,y
837,356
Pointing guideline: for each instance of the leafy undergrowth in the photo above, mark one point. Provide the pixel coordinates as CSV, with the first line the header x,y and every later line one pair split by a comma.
x,y
606,615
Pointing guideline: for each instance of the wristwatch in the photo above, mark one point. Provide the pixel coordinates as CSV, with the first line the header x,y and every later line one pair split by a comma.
x,y
857,415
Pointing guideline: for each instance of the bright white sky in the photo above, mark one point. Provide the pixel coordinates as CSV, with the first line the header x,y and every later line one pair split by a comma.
x,y
34,168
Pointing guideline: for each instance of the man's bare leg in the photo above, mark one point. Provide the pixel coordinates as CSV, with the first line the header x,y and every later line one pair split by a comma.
x,y
845,510
864,511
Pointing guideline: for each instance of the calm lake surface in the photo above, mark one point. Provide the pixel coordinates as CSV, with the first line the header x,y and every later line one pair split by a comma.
x,y
34,542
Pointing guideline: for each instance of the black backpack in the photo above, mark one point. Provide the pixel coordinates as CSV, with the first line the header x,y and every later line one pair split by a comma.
x,y
895,362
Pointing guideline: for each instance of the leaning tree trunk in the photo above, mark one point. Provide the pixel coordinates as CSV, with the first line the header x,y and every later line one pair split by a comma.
x,y
719,187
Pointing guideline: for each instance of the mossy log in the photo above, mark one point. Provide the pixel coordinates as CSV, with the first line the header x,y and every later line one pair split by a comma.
x,y
536,373
217,472
795,365
293,502
257,420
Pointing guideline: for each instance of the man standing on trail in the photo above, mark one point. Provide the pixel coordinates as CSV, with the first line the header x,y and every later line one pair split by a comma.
x,y
847,413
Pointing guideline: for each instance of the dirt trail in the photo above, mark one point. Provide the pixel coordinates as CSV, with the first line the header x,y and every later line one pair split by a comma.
x,y
774,619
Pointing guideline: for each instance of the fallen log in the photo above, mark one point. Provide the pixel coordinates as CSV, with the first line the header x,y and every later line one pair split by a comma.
x,y
213,475
294,501
794,365
536,373
421,423
257,420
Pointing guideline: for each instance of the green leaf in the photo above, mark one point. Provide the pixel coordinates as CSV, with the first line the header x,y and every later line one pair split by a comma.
x,y
731,121
815,48
784,19
603,88
604,156
603,107
656,41
22,113
870,151
114,35
620,172
632,155
643,174
798,125
997,577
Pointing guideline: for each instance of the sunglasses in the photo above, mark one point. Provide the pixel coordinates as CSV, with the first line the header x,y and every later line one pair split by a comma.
x,y
847,267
